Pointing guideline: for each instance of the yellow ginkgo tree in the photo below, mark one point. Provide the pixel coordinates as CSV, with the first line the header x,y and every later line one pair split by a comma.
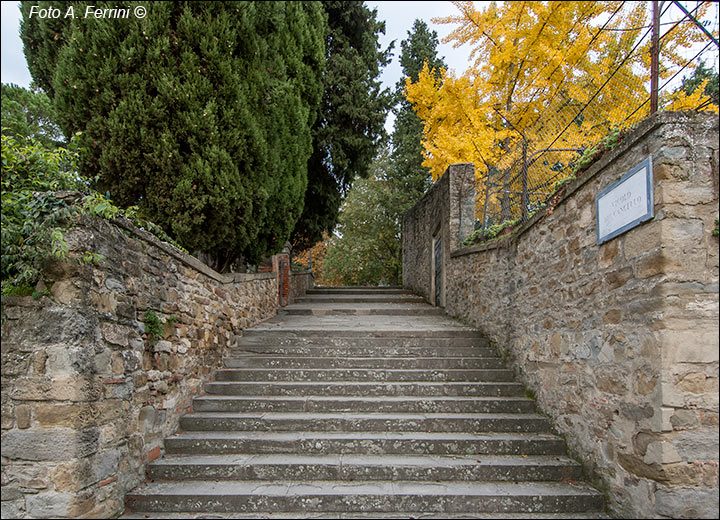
x,y
546,81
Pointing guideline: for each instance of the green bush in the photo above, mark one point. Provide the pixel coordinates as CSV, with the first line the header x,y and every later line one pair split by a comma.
x,y
34,214
42,196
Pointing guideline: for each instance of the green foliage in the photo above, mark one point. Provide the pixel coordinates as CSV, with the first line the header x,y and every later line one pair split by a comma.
x,y
408,174
350,125
171,320
199,114
562,182
700,73
41,198
492,231
367,248
33,213
153,327
591,154
716,231
29,114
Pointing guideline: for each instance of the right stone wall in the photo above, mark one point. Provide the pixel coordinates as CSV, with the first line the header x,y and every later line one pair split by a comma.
x,y
619,342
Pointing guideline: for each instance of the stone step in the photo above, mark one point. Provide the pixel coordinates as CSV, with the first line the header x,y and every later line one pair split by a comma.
x,y
359,290
325,362
404,404
397,422
376,443
319,495
367,288
266,332
360,298
362,309
366,350
340,515
361,374
364,467
364,388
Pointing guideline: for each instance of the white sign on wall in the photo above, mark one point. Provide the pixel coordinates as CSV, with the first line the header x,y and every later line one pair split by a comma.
x,y
626,203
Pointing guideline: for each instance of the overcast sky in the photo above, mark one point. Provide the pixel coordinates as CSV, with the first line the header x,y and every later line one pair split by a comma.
x,y
398,17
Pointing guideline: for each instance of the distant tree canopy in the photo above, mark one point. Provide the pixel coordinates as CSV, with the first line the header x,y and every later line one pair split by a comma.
x,y
200,113
699,76
29,114
368,248
352,115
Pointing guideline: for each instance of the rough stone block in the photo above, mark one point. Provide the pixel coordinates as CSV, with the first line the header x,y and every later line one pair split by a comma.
x,y
104,302
115,334
50,444
22,416
688,193
670,396
652,264
66,291
684,419
674,502
642,239
79,416
690,346
42,388
617,278
49,505
662,452
698,445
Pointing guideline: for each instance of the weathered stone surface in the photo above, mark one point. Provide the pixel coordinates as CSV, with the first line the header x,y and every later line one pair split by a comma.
x,y
22,416
74,364
49,444
637,315
49,505
686,502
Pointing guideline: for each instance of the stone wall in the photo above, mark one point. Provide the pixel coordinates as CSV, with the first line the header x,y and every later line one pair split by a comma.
x,y
442,212
87,395
619,342
300,282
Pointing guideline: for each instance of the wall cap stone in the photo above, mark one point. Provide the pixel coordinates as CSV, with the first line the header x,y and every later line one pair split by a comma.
x,y
187,259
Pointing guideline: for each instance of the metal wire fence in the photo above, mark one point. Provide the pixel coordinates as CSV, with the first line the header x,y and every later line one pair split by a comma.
x,y
587,115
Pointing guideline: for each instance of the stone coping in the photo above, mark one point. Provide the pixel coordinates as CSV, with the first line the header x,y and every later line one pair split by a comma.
x,y
187,259
643,128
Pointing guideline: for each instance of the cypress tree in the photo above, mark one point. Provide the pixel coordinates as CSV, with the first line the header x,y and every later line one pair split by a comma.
x,y
200,112
29,114
350,125
409,177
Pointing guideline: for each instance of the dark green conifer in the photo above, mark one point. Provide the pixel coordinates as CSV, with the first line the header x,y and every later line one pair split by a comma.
x,y
29,114
352,115
409,177
200,112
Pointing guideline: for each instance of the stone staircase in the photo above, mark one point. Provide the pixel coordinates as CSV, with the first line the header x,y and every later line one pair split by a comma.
x,y
364,403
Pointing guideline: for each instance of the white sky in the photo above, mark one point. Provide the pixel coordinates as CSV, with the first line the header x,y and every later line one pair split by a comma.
x,y
398,16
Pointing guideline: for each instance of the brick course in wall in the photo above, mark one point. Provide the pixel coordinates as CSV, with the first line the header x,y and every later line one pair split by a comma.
x,y
87,396
619,342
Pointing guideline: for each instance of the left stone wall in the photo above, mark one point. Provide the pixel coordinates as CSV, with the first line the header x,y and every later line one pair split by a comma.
x,y
87,396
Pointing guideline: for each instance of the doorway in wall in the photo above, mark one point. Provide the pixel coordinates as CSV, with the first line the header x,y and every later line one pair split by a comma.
x,y
437,270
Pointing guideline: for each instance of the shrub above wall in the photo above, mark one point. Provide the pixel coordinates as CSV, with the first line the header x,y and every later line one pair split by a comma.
x,y
98,373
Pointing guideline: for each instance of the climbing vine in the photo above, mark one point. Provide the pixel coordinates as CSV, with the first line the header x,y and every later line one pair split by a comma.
x,y
42,197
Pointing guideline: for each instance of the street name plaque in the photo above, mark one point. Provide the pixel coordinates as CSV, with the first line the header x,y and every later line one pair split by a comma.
x,y
625,203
